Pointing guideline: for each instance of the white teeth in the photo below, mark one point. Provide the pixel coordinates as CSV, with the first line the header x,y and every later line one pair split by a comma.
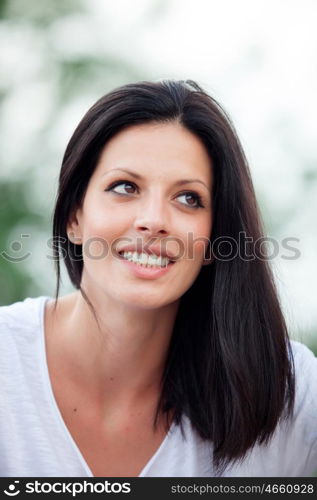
x,y
146,260
142,258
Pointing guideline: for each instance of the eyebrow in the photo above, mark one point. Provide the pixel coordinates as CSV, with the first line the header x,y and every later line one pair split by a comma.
x,y
181,182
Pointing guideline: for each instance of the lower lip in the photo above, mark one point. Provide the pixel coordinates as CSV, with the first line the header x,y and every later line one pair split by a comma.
x,y
147,272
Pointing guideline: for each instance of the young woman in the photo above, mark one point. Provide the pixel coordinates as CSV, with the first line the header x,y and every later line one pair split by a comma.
x,y
172,357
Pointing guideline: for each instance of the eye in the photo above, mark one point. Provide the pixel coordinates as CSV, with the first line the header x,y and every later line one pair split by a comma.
x,y
193,200
123,188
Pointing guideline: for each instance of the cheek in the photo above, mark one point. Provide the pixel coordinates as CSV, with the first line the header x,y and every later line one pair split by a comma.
x,y
197,239
104,224
99,234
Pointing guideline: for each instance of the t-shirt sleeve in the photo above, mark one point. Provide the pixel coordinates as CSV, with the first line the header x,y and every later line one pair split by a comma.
x,y
305,411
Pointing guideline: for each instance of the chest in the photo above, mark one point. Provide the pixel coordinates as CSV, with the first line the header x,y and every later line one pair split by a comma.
x,y
121,452
113,445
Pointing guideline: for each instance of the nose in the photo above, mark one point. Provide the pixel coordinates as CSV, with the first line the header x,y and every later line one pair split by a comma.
x,y
152,216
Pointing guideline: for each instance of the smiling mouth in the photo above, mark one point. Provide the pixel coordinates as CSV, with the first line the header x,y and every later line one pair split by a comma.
x,y
149,262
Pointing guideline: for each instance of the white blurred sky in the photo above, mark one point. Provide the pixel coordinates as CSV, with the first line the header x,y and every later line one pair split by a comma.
x,y
258,58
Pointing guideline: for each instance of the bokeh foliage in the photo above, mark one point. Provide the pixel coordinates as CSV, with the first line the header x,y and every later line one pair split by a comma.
x,y
26,185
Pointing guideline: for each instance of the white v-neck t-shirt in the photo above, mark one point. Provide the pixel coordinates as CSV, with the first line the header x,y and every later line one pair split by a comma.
x,y
34,440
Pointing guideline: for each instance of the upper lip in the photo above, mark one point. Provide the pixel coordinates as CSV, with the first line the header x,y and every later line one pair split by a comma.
x,y
156,250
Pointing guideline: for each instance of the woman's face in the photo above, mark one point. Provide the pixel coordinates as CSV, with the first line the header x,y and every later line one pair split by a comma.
x,y
146,195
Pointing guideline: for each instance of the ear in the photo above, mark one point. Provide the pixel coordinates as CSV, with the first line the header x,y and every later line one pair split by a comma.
x,y
73,229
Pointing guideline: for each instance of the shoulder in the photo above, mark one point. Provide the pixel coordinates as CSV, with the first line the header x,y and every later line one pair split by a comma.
x,y
301,352
303,428
22,315
21,325
292,449
305,367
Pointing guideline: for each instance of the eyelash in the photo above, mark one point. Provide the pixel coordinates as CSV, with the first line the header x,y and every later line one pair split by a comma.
x,y
199,203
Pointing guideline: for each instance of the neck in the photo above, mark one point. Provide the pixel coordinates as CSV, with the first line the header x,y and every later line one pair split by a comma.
x,y
119,358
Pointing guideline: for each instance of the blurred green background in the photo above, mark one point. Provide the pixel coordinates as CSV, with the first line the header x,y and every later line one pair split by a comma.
x,y
58,57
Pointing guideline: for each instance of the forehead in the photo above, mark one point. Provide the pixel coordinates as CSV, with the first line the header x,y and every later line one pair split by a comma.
x,y
162,147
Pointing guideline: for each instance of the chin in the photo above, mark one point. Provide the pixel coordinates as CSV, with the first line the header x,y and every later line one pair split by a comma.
x,y
146,301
